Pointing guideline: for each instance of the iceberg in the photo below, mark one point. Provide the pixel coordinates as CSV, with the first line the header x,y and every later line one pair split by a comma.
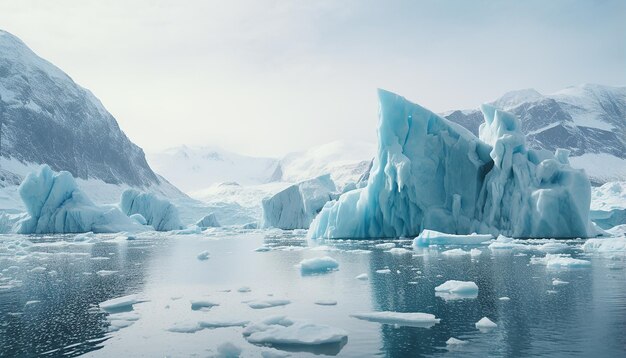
x,y
608,205
430,173
55,204
296,206
208,221
159,213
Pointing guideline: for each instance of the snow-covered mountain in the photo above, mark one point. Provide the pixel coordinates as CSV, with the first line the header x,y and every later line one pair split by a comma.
x,y
344,161
196,168
46,118
589,120
203,172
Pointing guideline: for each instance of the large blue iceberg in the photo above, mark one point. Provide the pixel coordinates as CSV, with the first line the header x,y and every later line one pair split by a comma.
x,y
56,205
430,173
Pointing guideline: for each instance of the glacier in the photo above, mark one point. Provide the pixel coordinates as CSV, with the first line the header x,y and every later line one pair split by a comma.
x,y
158,212
55,205
296,206
430,173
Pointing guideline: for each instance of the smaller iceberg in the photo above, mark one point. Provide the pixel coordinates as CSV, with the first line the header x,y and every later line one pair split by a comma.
x,y
296,206
55,205
208,221
159,213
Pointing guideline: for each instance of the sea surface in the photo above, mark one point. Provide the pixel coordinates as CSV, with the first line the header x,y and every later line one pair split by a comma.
x,y
50,288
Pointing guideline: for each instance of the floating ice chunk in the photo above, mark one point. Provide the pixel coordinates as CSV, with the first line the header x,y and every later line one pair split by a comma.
x,y
208,221
553,247
326,302
385,246
475,252
384,271
456,290
158,212
283,331
228,350
204,255
192,327
558,261
261,304
455,252
32,302
318,265
56,205
121,320
38,269
120,303
399,251
557,282
103,273
263,249
430,173
504,298
485,324
455,342
412,319
363,277
608,245
202,304
296,206
431,237
244,289
507,243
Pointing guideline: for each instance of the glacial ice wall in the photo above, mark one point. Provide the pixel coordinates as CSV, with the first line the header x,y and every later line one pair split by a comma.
x,y
159,213
296,206
430,173
56,205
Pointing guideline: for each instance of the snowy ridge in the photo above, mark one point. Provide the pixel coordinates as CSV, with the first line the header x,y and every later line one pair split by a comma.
x,y
589,120
49,119
194,169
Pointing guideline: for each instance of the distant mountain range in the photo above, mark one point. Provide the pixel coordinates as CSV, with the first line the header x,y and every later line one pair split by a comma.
x,y
589,120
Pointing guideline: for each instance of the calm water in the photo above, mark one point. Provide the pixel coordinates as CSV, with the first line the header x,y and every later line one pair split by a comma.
x,y
70,276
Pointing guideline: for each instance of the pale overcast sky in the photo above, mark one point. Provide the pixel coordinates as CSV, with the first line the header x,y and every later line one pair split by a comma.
x,y
269,77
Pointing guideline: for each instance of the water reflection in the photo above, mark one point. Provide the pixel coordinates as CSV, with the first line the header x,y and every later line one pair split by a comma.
x,y
64,321
538,319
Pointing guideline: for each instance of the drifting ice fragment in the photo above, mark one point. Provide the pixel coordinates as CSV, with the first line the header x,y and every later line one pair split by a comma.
x,y
120,303
318,265
412,319
283,331
455,342
456,290
431,237
485,324
558,261
261,304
